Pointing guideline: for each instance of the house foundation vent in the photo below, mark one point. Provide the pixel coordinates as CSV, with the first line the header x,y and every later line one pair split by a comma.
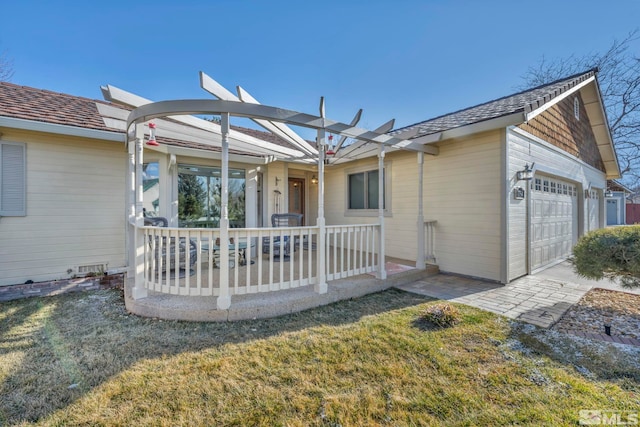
x,y
92,269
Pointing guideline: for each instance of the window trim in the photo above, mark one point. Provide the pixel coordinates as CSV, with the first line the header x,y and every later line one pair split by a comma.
x,y
23,211
387,191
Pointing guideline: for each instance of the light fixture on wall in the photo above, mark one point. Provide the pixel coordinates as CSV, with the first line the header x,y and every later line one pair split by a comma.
x,y
608,193
526,174
277,181
314,180
152,135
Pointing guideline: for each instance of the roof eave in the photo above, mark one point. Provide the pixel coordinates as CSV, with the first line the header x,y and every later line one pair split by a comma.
x,y
55,128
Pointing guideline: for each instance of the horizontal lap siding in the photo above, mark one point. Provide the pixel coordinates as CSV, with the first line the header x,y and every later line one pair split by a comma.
x,y
462,192
75,209
524,150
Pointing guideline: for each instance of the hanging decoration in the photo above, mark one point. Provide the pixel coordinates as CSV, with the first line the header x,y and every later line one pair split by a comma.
x,y
152,135
330,147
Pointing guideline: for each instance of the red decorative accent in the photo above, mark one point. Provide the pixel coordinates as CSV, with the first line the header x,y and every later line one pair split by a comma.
x,y
152,135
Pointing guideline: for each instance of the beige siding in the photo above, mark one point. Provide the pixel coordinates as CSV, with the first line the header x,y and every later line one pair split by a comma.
x,y
75,209
461,192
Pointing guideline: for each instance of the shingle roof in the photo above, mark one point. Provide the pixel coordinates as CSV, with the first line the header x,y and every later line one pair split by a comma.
x,y
525,101
24,102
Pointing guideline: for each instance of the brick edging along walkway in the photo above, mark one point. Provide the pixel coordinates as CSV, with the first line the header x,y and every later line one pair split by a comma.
x,y
56,287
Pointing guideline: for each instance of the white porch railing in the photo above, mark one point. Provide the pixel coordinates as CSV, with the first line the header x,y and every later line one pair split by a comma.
x,y
430,241
186,261
351,250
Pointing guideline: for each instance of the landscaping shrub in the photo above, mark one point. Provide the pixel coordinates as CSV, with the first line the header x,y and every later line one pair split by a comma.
x,y
610,252
443,315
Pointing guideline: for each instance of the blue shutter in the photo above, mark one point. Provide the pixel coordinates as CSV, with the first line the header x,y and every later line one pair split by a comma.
x,y
12,179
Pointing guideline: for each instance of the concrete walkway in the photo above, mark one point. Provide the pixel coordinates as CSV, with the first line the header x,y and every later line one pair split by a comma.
x,y
540,299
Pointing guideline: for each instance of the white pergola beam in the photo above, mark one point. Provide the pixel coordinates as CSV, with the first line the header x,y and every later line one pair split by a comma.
x,y
354,122
289,133
216,89
205,106
238,140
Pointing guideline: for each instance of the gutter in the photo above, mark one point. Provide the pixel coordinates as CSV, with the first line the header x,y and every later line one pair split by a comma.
x,y
31,125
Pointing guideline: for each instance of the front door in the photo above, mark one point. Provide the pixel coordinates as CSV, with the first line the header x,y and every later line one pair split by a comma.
x,y
296,197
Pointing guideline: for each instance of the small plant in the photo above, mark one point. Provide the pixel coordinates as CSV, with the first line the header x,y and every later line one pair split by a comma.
x,y
443,315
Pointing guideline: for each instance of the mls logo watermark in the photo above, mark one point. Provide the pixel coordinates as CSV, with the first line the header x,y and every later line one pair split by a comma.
x,y
599,417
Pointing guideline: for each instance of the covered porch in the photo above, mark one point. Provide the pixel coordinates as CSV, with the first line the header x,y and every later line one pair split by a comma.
x,y
186,265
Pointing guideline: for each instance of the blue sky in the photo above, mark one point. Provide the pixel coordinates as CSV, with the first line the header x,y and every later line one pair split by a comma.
x,y
408,60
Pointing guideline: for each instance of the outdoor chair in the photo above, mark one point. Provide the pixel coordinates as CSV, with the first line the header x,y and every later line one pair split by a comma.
x,y
159,221
281,220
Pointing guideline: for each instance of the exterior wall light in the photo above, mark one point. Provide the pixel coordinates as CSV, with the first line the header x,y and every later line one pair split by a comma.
x,y
314,180
608,193
526,174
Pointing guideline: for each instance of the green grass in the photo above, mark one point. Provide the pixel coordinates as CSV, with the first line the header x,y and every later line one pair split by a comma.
x,y
371,361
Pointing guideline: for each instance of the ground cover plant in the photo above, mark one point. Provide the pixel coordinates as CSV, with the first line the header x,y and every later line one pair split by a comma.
x,y
81,359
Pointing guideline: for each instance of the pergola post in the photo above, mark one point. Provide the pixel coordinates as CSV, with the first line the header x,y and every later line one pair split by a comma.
x,y
382,272
224,299
321,286
420,258
139,290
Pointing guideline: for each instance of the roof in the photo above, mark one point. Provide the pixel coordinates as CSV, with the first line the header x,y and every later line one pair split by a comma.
x,y
28,103
525,101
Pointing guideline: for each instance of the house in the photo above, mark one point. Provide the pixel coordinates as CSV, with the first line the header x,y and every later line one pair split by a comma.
x,y
616,196
494,191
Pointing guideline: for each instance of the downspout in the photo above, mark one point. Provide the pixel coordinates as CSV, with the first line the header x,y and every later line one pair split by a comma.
x,y
382,272
420,257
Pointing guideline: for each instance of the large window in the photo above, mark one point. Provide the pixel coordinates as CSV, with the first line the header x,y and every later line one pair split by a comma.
x,y
200,194
151,189
363,190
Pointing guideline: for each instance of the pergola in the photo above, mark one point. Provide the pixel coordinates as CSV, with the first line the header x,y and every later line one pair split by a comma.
x,y
275,120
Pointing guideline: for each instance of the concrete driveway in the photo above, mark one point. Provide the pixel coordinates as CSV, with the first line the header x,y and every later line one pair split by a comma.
x,y
540,299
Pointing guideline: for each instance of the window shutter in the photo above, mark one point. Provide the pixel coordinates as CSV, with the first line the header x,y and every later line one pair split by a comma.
x,y
12,179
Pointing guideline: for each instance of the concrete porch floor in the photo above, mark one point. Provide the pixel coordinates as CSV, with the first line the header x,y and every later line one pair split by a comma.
x,y
272,304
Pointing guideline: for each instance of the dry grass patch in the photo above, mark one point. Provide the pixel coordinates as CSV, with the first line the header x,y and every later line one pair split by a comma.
x,y
361,362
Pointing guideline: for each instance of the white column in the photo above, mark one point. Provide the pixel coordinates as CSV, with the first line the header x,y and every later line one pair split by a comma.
x,y
382,272
321,286
139,290
224,300
420,260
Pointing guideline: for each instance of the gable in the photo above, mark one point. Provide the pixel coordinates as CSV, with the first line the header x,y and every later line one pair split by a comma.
x,y
558,126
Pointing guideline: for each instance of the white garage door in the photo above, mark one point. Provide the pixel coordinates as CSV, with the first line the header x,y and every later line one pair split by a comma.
x,y
554,220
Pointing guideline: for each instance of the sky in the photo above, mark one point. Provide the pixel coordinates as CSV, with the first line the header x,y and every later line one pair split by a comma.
x,y
408,60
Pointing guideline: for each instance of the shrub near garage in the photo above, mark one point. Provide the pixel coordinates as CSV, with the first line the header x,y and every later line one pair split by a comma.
x,y
613,253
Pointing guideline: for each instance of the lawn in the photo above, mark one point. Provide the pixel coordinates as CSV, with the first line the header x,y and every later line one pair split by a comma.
x,y
81,359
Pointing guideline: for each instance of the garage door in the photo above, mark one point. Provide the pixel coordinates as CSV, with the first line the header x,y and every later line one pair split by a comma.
x,y
554,220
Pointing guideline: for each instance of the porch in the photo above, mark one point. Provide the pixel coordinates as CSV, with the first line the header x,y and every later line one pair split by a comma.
x,y
272,304
261,283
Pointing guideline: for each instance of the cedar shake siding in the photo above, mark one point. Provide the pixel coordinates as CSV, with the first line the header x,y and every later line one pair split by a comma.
x,y
559,126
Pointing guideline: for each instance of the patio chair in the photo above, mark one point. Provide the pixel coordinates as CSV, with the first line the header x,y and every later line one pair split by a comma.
x,y
281,220
159,221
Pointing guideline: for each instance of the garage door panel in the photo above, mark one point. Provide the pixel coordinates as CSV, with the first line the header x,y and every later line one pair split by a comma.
x,y
553,220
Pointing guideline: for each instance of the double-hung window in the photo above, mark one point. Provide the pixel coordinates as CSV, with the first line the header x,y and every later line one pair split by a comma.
x,y
363,190
13,199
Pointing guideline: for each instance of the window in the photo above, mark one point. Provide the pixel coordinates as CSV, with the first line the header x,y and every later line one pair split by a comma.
x,y
151,189
363,190
538,184
576,108
13,179
200,193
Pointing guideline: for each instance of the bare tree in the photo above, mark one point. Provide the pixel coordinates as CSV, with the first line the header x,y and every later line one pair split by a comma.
x,y
6,67
619,79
